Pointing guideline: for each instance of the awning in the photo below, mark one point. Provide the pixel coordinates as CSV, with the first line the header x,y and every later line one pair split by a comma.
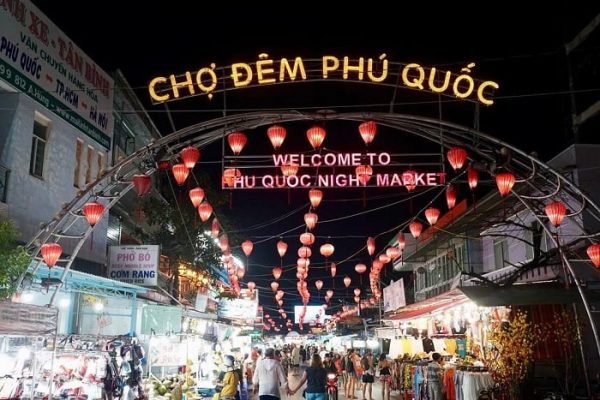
x,y
434,304
521,295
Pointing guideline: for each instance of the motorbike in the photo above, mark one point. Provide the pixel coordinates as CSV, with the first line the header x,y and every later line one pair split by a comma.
x,y
332,389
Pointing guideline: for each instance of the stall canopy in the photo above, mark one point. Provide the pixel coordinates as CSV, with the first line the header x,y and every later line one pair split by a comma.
x,y
519,295
434,304
26,319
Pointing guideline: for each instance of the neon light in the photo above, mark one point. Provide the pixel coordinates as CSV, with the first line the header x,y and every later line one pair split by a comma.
x,y
268,71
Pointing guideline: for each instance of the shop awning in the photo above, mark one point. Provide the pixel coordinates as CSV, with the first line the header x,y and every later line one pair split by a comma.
x,y
520,295
434,304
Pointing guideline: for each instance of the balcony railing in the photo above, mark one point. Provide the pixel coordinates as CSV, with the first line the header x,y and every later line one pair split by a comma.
x,y
4,175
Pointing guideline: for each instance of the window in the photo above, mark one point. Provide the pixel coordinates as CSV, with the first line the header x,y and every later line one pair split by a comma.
x,y
38,146
101,162
90,163
500,252
78,156
528,237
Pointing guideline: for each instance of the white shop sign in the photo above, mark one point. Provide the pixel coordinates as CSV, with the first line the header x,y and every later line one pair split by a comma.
x,y
137,265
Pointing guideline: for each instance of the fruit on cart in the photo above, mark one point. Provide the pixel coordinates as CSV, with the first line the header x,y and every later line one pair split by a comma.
x,y
177,392
162,390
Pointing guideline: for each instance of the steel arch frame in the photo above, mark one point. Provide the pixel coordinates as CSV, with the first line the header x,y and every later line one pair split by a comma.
x,y
541,181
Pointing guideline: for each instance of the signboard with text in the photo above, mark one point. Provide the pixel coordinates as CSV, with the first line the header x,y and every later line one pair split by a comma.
x,y
137,265
38,59
245,307
329,169
393,296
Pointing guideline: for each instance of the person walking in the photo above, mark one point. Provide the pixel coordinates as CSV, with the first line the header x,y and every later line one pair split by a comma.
x,y
350,374
230,380
368,375
268,377
434,378
315,377
385,376
295,359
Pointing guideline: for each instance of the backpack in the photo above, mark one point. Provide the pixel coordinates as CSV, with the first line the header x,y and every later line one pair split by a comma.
x,y
348,364
364,363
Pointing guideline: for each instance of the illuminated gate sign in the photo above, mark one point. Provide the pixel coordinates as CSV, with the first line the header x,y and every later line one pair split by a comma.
x,y
330,170
211,79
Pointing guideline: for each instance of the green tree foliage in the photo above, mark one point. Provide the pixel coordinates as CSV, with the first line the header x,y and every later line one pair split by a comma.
x,y
181,232
13,259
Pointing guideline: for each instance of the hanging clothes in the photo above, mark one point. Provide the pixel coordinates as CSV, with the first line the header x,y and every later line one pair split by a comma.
x,y
448,383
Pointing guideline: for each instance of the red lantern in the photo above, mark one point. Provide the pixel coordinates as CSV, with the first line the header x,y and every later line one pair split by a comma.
x,y
190,156
593,251
51,253
432,214
367,131
409,180
347,281
307,238
237,141
556,212
357,299
93,212
472,177
274,286
303,262
450,197
230,175
205,210
223,242
281,248
310,219
277,273
327,250
364,173
393,252
457,157
196,196
315,136
180,172
214,228
371,246
415,228
333,269
141,184
384,258
360,268
401,241
505,182
276,134
305,252
247,247
251,285
357,292
329,293
290,169
319,284
240,273
164,164
280,302
315,196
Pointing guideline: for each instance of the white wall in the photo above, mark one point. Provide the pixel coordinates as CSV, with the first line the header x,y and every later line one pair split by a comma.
x,y
31,200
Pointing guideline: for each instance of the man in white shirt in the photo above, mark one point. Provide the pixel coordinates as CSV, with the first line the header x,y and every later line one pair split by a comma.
x,y
268,377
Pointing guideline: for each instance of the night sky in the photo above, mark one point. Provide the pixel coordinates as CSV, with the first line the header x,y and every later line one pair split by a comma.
x,y
522,50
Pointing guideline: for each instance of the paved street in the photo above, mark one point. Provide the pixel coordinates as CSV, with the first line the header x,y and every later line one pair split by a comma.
x,y
295,378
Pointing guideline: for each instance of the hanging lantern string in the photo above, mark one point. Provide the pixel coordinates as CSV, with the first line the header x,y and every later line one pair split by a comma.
x,y
187,232
351,215
404,224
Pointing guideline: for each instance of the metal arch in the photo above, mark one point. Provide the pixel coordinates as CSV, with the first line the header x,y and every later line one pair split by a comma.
x,y
482,148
